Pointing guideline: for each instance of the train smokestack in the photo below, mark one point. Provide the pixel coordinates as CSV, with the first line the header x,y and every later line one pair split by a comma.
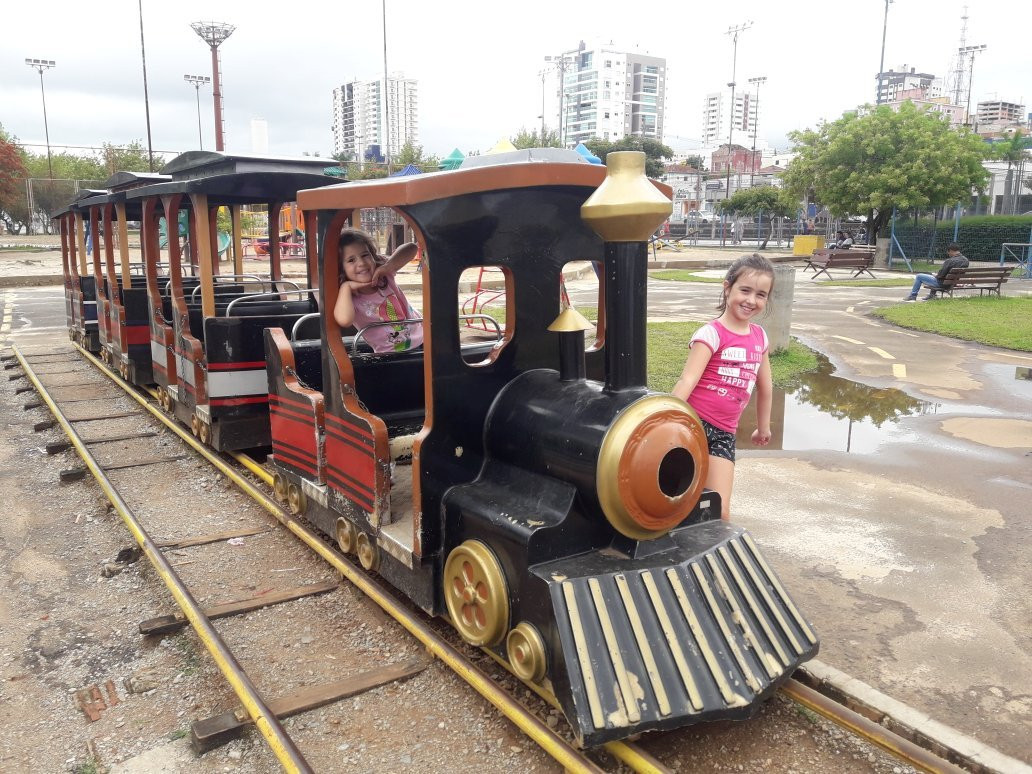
x,y
625,211
570,325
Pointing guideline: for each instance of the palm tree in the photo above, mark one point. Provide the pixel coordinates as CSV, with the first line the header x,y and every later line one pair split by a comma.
x,y
1011,150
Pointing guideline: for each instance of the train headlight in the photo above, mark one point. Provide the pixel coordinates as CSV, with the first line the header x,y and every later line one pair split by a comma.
x,y
652,467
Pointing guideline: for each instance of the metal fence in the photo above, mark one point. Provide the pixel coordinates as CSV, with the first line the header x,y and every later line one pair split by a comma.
x,y
922,236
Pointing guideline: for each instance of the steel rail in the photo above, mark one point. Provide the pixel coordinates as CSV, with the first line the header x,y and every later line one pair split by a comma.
x,y
893,743
281,745
559,749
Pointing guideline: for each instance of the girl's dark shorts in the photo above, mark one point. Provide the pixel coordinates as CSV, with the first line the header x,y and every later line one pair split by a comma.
x,y
721,442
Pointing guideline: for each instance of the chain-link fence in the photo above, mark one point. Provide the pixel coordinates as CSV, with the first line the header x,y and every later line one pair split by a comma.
x,y
920,237
35,200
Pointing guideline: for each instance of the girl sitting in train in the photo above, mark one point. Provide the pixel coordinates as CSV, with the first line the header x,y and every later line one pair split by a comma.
x,y
370,294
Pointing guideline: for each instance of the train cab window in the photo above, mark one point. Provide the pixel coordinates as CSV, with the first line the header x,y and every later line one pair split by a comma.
x,y
485,313
581,288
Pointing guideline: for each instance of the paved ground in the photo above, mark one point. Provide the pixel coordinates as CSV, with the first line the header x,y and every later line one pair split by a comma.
x,y
911,559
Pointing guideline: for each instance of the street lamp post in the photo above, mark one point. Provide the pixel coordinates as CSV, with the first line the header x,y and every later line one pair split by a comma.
x,y
881,67
198,81
971,50
734,32
41,65
755,124
215,34
560,62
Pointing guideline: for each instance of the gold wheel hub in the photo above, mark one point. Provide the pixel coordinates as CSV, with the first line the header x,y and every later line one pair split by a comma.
x,y
296,500
368,553
526,651
279,488
346,537
476,593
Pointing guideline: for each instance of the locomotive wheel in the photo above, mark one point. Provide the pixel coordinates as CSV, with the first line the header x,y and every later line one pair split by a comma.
x,y
279,488
195,425
347,536
297,503
476,593
368,553
526,652
163,398
204,432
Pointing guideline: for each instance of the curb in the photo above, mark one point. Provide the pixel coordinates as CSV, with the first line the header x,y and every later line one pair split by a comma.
x,y
911,724
31,280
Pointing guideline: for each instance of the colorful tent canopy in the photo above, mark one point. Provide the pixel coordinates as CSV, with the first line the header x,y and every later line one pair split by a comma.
x,y
452,160
582,149
504,145
410,169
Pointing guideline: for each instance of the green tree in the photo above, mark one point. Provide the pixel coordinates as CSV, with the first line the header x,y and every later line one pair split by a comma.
x,y
655,151
695,161
772,203
525,139
1012,150
413,154
130,158
14,211
869,161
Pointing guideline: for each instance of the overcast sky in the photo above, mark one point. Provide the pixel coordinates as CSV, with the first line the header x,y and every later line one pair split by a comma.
x,y
477,64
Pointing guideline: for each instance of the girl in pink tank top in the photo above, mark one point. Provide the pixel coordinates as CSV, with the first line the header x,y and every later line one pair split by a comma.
x,y
727,360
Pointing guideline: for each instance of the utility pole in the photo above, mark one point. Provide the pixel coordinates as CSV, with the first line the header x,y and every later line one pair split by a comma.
x,y
386,94
734,32
755,126
561,63
881,67
215,34
146,99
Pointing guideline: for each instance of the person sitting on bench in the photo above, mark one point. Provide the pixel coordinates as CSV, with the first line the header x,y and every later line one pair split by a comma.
x,y
843,241
954,260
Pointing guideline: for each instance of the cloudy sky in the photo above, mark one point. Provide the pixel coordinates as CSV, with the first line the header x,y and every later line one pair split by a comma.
x,y
478,65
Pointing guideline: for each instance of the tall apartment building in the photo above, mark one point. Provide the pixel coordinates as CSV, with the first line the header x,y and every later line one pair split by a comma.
x,y
719,120
999,112
892,82
609,94
367,117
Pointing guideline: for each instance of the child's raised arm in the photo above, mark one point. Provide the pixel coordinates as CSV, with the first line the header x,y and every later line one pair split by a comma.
x,y
764,394
698,357
399,258
344,309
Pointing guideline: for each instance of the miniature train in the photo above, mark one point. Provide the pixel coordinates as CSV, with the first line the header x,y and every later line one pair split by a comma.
x,y
527,487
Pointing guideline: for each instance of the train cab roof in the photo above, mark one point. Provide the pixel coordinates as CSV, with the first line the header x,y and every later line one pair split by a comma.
x,y
122,181
78,203
196,164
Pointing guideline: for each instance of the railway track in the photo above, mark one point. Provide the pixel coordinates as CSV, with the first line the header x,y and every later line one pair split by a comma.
x,y
117,458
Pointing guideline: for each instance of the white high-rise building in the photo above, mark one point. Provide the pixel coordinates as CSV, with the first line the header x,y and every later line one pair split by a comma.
x,y
717,118
370,127
609,94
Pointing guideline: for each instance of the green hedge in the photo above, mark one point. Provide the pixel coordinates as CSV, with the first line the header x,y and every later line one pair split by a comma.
x,y
980,236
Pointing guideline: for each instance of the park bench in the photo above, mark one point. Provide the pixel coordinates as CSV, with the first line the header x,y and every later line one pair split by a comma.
x,y
984,280
822,260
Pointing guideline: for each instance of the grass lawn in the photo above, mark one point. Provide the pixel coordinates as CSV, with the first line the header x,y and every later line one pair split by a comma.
x,y
682,275
668,349
999,322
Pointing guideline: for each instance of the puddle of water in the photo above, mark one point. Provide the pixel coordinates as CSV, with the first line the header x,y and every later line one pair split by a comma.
x,y
824,411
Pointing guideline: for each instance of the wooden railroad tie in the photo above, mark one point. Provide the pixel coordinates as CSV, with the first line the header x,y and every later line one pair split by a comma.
x,y
56,447
215,731
74,474
166,624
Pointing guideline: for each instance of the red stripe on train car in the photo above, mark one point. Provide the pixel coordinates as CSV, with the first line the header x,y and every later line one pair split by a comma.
x,y
291,401
293,433
363,428
285,457
248,400
359,465
241,366
291,413
133,335
345,489
297,451
366,447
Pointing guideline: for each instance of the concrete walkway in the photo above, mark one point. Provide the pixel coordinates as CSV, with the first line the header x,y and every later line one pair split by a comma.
x,y
911,558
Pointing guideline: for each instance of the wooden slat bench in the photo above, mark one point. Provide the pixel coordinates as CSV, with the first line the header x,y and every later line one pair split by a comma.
x,y
822,260
984,280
